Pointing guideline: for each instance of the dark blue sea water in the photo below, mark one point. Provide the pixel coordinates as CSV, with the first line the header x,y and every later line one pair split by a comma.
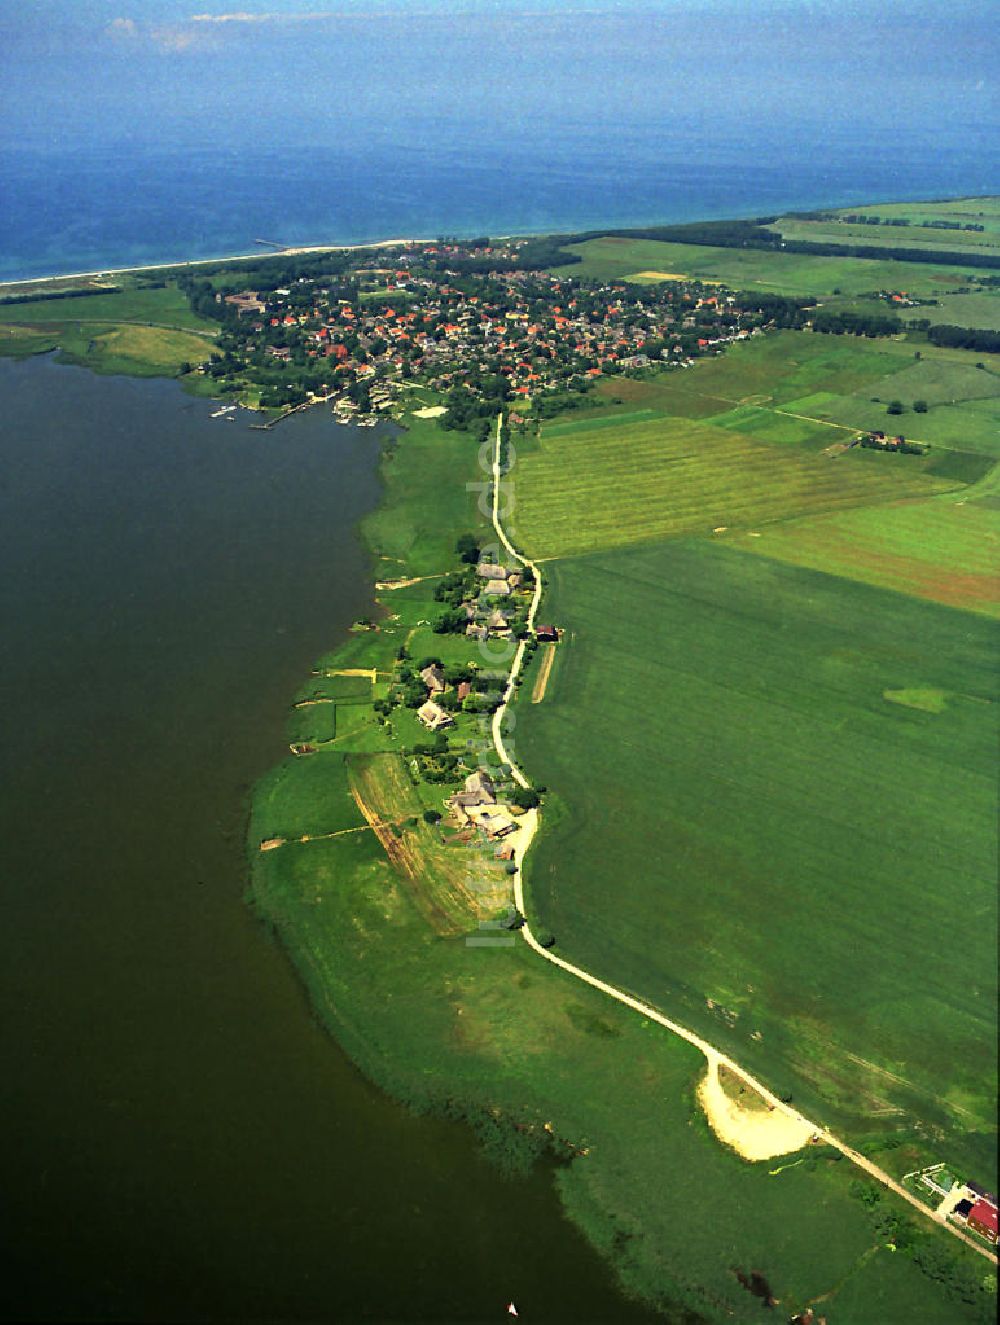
x,y
85,208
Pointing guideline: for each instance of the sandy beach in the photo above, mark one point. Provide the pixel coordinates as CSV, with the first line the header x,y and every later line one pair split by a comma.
x,y
257,253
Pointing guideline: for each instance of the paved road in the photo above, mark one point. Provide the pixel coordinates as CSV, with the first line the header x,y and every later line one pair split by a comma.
x,y
714,1056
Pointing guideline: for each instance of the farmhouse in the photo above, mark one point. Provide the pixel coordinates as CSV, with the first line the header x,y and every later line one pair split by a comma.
x,y
433,678
983,1219
498,589
547,634
434,717
479,790
491,570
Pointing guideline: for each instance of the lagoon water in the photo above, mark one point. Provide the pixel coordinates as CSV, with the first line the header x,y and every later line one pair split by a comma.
x,y
181,1140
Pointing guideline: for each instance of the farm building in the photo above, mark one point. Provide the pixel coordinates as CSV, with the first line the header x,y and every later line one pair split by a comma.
x,y
464,690
547,634
498,588
983,1219
433,678
491,570
476,632
434,717
479,790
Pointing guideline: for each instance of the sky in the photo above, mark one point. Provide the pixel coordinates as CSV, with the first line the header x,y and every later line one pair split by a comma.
x,y
105,70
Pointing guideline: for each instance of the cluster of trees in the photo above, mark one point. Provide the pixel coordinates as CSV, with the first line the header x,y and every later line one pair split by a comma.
x,y
60,294
471,411
965,338
850,323
858,218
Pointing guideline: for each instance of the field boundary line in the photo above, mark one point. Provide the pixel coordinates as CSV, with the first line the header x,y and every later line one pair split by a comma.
x,y
714,1056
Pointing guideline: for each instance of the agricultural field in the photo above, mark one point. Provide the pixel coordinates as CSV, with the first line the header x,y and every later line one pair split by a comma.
x,y
777,819
946,549
611,257
597,488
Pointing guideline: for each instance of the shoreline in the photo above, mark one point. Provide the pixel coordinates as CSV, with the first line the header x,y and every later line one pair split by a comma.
x,y
185,263
295,249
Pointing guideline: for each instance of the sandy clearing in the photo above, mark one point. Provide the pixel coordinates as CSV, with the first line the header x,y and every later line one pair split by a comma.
x,y
430,412
755,1134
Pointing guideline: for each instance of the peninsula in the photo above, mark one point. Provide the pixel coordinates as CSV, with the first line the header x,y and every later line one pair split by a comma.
x,y
686,578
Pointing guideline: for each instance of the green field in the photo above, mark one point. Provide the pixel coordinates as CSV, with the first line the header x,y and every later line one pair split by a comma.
x,y
946,549
612,257
428,504
134,350
598,488
757,816
167,307
141,333
738,440
535,1061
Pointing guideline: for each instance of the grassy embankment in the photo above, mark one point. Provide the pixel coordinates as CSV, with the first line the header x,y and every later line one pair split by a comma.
x,y
377,926
136,331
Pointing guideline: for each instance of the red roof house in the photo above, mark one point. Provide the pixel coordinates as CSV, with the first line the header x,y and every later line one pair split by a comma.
x,y
983,1218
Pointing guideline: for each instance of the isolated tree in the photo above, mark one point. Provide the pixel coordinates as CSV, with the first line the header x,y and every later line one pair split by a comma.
x,y
920,407
894,407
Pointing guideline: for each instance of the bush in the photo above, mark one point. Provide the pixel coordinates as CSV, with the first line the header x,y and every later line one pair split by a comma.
x,y
525,798
894,407
432,817
920,407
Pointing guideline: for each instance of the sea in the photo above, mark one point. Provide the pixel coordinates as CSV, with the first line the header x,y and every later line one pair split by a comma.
x,y
105,205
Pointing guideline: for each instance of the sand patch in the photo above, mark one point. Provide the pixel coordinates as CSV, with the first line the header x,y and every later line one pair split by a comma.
x,y
924,699
756,1133
430,412
657,276
542,679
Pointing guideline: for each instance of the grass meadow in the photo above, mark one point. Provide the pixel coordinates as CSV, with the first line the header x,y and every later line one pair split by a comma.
x,y
165,307
765,809
141,333
428,501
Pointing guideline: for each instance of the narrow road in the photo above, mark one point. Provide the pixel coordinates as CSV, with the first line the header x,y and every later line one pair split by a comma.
x,y
714,1056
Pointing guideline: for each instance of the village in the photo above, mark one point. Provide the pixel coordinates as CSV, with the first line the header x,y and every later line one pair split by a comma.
x,y
486,601
463,322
